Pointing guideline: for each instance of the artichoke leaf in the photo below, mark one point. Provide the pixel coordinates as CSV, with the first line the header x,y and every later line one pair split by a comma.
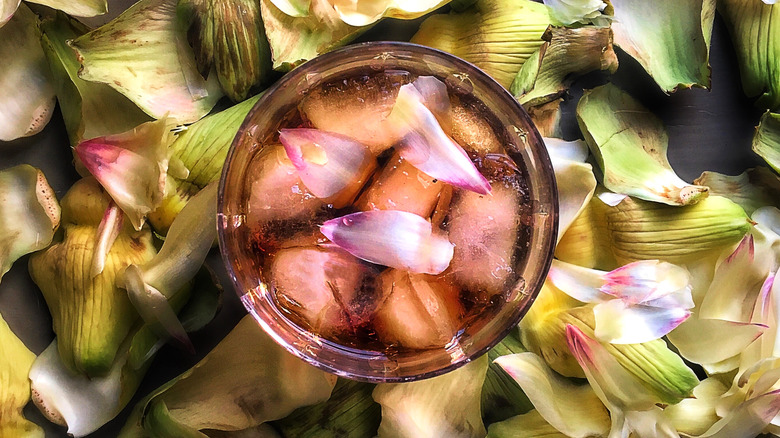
x,y
497,36
566,54
296,39
530,425
751,190
7,10
27,101
228,35
30,213
90,315
15,364
755,32
766,142
245,381
502,397
83,104
669,38
293,8
568,13
630,145
574,179
77,8
163,78
365,12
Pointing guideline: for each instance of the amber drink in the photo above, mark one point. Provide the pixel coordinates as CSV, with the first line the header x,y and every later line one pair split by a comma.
x,y
387,212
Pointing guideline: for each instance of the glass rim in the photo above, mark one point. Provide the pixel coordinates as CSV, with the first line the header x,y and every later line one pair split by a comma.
x,y
545,171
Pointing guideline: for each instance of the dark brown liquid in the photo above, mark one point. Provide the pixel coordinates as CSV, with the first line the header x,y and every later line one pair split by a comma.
x,y
370,307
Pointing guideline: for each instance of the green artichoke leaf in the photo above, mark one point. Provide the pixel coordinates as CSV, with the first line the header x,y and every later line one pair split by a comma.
x,y
447,405
296,39
144,55
77,8
755,32
669,38
27,101
29,213
502,397
751,189
293,8
766,142
245,381
83,104
229,36
565,55
15,364
349,412
630,144
90,315
497,36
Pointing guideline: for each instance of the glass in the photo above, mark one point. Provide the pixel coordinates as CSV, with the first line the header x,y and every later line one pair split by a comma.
x,y
522,145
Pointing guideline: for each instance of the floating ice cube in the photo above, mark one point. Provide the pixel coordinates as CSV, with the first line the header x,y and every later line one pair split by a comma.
x,y
471,129
322,286
418,312
484,230
401,186
357,108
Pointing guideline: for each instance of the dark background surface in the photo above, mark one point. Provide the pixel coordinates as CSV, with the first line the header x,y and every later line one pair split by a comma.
x,y
708,130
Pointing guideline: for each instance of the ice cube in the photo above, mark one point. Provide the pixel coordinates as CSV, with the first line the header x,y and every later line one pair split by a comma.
x,y
276,192
357,107
323,286
484,230
471,129
401,186
419,310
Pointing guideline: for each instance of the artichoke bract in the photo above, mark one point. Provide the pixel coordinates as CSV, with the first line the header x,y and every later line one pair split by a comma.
x,y
91,316
751,189
245,381
15,363
27,101
229,36
566,54
502,397
755,31
766,142
29,213
669,38
497,36
629,144
164,78
77,8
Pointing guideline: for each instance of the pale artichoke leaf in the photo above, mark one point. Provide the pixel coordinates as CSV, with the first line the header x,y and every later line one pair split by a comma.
x,y
447,405
630,144
143,55
77,8
667,38
247,367
83,104
15,364
293,8
365,12
569,13
751,189
766,141
497,36
30,213
27,101
529,425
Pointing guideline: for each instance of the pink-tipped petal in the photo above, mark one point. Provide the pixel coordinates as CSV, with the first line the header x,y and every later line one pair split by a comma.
x,y
108,230
617,388
397,239
131,166
434,95
748,419
428,147
327,162
580,283
650,282
620,323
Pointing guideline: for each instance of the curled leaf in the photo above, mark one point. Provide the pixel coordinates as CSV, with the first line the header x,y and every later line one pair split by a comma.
x,y
574,179
446,405
752,189
568,12
427,147
755,32
630,144
293,8
77,8
497,36
108,230
164,78
566,54
131,166
766,142
15,364
29,213
392,238
529,425
27,101
670,39
365,12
